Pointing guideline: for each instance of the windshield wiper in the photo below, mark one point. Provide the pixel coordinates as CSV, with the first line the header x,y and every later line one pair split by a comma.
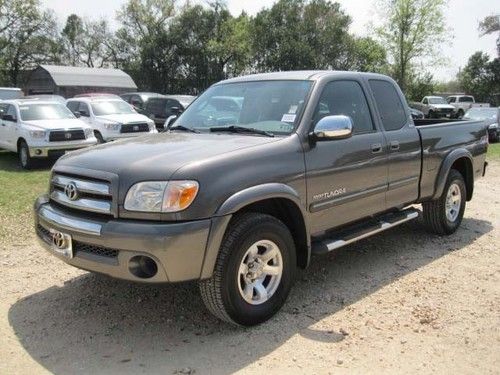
x,y
183,128
240,129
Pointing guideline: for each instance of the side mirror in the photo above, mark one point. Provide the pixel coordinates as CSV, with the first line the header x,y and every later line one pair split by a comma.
x,y
77,114
176,110
9,118
333,127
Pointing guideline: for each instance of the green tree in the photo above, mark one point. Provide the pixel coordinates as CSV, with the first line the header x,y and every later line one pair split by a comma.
x,y
299,34
28,37
491,25
364,55
481,77
413,30
86,42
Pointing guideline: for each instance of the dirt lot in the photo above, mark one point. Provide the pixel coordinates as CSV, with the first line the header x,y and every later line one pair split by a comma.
x,y
401,302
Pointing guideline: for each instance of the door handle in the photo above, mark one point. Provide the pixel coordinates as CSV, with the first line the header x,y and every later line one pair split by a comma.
x,y
376,148
394,145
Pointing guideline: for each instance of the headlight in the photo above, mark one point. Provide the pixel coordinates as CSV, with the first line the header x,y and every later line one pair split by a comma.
x,y
493,126
161,196
112,126
37,134
89,132
151,126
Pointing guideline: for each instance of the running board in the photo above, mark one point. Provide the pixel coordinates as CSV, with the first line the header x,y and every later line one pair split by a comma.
x,y
359,231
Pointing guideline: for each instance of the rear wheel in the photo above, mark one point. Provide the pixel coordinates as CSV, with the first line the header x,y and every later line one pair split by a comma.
x,y
254,270
444,215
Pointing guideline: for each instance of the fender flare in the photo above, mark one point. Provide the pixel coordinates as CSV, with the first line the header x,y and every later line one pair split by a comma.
x,y
235,203
442,176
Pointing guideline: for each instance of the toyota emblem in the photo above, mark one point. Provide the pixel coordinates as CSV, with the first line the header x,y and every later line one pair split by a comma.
x,y
136,127
58,240
71,191
67,135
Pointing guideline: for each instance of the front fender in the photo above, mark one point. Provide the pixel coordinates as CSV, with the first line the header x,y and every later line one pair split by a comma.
x,y
235,203
451,158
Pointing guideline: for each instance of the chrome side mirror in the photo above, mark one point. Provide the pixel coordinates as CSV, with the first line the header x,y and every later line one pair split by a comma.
x,y
333,127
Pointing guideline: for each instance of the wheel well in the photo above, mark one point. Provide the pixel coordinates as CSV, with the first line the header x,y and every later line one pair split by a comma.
x,y
464,166
290,214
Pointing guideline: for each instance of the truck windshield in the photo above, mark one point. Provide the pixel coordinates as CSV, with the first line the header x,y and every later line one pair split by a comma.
x,y
270,106
481,114
49,111
111,107
437,101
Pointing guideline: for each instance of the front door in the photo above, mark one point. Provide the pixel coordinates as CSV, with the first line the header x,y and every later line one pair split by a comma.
x,y
346,178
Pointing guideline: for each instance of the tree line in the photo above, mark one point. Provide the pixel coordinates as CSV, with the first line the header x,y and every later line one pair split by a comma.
x,y
173,47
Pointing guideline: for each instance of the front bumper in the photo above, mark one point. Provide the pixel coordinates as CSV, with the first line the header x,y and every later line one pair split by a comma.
x,y
108,245
44,151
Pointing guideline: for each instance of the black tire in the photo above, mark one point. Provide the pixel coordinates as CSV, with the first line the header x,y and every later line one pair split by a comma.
x,y
460,113
25,160
430,114
221,293
99,137
435,212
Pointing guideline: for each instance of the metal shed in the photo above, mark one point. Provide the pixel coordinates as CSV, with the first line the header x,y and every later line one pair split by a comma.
x,y
69,81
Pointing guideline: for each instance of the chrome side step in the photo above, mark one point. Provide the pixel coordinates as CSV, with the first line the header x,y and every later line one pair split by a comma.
x,y
359,231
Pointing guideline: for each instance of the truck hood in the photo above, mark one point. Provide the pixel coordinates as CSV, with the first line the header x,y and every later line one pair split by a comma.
x,y
157,157
125,118
442,106
57,124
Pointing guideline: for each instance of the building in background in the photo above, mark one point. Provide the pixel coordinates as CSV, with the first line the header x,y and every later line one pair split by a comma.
x,y
69,81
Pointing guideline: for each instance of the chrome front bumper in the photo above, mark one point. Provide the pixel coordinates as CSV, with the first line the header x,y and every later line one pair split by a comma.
x,y
177,248
43,151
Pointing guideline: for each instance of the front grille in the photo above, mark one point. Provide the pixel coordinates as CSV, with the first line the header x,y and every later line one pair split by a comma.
x,y
82,193
134,128
446,110
80,247
66,135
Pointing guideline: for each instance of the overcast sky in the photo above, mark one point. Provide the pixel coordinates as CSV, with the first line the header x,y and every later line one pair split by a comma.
x,y
462,18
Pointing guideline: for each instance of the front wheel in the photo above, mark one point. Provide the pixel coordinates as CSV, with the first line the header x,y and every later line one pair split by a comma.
x,y
444,215
254,271
25,159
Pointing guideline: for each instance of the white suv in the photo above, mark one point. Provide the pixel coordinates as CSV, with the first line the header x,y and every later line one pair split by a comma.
x,y
41,129
111,118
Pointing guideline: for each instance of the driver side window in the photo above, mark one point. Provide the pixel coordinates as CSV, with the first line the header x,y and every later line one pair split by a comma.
x,y
345,98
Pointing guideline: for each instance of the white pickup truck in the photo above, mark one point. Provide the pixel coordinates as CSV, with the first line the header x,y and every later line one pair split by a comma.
x,y
111,118
38,129
463,103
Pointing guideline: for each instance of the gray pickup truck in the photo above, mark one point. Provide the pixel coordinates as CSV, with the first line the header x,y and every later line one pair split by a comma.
x,y
239,197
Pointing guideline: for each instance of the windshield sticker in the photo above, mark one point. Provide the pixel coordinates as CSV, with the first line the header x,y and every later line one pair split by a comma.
x,y
288,117
293,109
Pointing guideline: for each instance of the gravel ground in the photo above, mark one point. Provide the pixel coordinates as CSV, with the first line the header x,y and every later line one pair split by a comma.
x,y
401,302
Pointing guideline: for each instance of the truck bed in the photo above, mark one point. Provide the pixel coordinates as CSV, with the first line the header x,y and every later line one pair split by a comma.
x,y
439,140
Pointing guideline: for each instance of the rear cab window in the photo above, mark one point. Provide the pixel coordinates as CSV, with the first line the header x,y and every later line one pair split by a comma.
x,y
390,107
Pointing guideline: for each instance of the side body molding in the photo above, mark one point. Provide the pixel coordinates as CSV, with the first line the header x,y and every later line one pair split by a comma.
x,y
451,158
236,202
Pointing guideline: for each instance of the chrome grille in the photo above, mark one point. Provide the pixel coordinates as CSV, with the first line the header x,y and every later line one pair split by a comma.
x,y
134,128
82,193
66,135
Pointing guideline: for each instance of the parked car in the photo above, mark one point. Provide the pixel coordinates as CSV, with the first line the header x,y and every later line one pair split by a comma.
x,y
7,93
110,118
490,116
45,97
435,107
139,99
315,161
38,129
416,114
462,103
159,109
97,94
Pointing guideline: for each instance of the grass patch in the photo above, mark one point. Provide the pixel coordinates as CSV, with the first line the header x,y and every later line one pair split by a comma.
x,y
494,151
18,191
